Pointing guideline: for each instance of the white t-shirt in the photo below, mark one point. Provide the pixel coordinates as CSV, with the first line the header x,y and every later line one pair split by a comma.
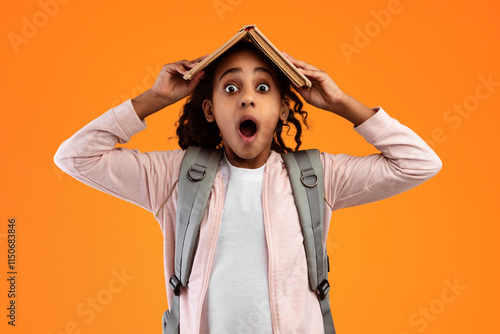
x,y
237,299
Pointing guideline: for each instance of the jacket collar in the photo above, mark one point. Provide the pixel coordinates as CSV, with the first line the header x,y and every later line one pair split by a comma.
x,y
274,161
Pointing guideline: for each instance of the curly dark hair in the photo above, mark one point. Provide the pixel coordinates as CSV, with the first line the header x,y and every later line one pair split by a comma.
x,y
194,130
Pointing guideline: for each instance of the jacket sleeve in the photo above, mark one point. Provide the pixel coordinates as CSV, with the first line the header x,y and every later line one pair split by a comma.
x,y
91,157
405,161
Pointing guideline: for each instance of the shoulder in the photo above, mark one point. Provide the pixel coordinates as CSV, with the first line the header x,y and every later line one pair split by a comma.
x,y
166,163
275,160
326,158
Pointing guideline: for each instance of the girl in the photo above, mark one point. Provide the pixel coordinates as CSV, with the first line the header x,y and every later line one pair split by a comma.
x,y
249,271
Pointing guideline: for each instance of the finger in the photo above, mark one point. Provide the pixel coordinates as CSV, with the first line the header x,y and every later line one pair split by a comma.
x,y
303,64
304,92
190,64
299,63
312,74
177,67
287,56
199,58
194,81
184,66
186,62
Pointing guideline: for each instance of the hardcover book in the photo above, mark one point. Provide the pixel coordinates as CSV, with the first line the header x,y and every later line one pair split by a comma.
x,y
253,35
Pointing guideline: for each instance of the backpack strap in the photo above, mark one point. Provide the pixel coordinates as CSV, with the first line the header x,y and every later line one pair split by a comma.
x,y
305,171
196,179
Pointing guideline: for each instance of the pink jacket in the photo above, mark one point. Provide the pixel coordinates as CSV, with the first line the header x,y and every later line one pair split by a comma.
x,y
149,180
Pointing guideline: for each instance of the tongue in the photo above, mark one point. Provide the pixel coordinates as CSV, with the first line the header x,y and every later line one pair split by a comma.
x,y
248,128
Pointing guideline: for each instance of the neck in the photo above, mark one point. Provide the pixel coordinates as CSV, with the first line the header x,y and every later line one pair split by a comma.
x,y
252,163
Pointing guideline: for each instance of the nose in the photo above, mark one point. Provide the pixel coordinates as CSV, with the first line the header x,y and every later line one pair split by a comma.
x,y
245,103
247,99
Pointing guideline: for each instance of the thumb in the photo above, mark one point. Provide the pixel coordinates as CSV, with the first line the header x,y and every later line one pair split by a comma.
x,y
304,92
194,81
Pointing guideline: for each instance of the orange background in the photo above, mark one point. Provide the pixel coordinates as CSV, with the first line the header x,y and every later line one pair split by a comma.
x,y
390,260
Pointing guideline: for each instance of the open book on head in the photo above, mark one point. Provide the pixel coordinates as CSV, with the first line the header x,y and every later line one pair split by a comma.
x,y
253,35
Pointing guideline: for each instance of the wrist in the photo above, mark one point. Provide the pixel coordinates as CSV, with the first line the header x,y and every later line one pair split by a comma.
x,y
339,105
148,103
353,110
157,99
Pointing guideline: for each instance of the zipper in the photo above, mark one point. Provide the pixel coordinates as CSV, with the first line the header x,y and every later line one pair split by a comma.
x,y
270,275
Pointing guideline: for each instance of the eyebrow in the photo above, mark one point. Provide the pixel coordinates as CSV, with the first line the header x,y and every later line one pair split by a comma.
x,y
237,69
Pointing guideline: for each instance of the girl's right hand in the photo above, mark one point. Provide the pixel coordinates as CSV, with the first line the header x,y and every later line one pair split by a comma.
x,y
170,86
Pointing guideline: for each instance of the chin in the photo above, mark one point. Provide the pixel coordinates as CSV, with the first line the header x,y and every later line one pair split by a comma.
x,y
247,153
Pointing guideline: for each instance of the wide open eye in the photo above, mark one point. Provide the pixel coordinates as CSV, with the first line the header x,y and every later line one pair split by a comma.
x,y
263,87
230,88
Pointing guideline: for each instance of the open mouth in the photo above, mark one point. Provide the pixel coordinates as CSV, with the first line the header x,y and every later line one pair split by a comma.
x,y
247,130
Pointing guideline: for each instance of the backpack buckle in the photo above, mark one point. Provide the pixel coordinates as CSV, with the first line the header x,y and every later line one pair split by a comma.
x,y
323,289
175,284
196,173
309,178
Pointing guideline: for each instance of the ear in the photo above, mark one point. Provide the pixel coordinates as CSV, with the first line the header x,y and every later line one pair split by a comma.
x,y
285,109
207,109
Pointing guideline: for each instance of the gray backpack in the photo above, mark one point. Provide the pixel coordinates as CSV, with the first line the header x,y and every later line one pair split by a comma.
x,y
195,184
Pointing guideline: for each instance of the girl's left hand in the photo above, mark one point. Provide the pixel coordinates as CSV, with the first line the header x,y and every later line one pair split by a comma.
x,y
324,93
